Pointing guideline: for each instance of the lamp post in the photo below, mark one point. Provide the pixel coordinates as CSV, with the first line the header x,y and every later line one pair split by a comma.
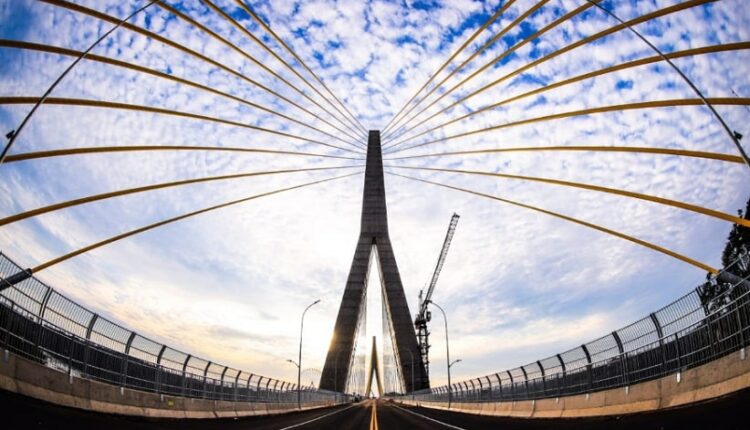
x,y
447,350
449,379
299,360
412,373
298,367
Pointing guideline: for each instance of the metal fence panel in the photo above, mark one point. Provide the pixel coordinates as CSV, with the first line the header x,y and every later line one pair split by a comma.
x,y
45,326
682,335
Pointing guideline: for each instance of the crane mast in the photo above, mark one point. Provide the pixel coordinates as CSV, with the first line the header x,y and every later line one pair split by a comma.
x,y
424,316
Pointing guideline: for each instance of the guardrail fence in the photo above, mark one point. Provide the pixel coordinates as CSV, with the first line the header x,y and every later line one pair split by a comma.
x,y
711,321
40,324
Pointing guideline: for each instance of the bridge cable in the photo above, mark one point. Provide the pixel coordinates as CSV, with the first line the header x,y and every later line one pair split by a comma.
x,y
104,17
492,40
486,45
597,227
684,77
244,53
13,135
626,149
732,101
20,276
619,67
643,18
476,33
161,111
106,60
511,49
294,54
616,191
135,148
108,195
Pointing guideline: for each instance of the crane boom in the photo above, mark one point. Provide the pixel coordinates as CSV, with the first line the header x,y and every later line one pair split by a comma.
x,y
439,266
420,321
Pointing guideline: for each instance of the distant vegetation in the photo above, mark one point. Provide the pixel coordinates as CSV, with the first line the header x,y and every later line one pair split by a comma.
x,y
735,259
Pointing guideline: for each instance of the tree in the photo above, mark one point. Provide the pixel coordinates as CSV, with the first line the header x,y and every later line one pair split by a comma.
x,y
713,294
739,236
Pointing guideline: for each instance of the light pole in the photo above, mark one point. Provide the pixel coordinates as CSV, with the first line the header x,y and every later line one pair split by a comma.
x,y
447,351
449,380
412,373
296,364
299,359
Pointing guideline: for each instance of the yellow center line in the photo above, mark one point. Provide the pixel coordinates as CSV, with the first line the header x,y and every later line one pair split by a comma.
x,y
374,416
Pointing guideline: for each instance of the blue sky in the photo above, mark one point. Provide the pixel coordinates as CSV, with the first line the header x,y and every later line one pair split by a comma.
x,y
229,286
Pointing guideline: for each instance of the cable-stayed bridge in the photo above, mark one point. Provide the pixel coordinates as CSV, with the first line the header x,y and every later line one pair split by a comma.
x,y
59,351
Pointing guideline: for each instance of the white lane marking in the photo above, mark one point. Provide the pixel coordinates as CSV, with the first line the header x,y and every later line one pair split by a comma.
x,y
316,419
431,419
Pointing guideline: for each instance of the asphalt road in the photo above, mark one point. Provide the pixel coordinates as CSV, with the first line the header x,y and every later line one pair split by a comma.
x,y
19,412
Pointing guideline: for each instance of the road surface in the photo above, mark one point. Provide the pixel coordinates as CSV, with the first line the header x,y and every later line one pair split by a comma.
x,y
19,412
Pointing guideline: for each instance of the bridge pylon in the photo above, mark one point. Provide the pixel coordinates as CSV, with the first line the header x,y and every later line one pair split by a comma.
x,y
374,237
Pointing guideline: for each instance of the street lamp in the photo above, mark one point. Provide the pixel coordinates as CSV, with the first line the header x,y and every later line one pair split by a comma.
x,y
299,360
447,350
296,364
412,373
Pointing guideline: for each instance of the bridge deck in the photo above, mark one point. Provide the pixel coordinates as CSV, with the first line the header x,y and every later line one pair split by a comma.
x,y
727,413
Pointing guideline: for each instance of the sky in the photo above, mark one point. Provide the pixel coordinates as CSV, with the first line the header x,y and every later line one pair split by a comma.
x,y
230,285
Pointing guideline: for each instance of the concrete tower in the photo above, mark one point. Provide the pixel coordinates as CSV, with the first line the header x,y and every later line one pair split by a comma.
x,y
374,237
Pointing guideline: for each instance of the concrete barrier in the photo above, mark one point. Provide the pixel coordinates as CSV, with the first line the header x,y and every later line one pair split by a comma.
x,y
718,378
29,378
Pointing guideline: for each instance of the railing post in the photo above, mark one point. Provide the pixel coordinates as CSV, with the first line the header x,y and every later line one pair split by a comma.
x,y
71,340
489,385
257,388
184,375
205,376
236,385
562,365
499,384
623,362
158,368
249,378
525,381
268,397
221,383
89,329
473,387
739,324
512,386
124,371
660,333
589,367
42,309
45,301
544,383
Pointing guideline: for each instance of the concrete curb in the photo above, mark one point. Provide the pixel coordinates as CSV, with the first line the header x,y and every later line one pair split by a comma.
x,y
26,377
718,378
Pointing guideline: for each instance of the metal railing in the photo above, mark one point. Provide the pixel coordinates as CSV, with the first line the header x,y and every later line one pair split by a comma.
x,y
691,331
40,324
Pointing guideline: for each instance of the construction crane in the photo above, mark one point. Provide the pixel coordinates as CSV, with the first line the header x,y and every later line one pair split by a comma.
x,y
424,316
